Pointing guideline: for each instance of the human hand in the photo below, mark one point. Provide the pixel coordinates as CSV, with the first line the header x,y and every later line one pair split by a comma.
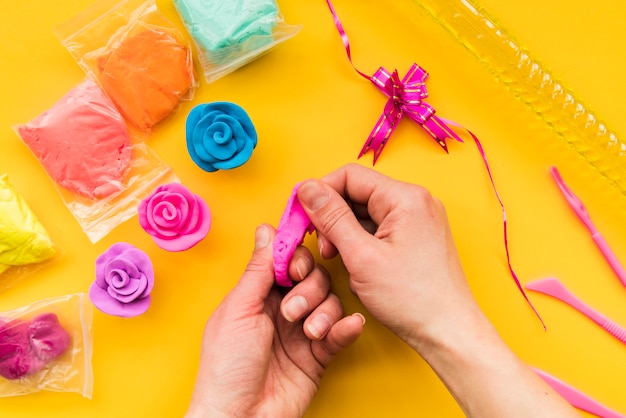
x,y
254,361
395,242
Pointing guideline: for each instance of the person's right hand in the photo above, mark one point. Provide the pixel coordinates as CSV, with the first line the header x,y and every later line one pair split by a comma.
x,y
395,242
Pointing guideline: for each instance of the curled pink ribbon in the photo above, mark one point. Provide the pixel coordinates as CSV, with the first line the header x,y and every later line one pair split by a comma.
x,y
405,97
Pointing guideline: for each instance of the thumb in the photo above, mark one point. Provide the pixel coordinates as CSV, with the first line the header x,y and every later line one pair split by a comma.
x,y
332,217
258,278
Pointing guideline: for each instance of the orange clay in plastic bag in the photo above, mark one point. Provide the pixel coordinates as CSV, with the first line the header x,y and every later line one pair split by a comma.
x,y
144,88
141,60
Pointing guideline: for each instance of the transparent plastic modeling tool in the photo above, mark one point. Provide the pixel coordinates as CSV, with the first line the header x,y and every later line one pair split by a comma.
x,y
581,211
524,76
553,287
577,398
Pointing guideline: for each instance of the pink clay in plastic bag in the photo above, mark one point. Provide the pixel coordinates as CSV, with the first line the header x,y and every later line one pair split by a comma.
x,y
47,345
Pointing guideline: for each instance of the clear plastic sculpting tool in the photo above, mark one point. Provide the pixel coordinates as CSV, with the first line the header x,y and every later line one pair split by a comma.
x,y
553,287
576,398
582,213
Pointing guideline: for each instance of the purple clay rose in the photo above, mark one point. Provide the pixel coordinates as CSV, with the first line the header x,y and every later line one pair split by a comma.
x,y
175,218
124,280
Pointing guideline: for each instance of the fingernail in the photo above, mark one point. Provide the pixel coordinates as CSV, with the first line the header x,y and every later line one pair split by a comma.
x,y
302,267
319,326
295,308
261,237
360,316
320,246
313,195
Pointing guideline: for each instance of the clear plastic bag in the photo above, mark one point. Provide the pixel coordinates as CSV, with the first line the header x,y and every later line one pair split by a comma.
x,y
100,171
140,59
47,345
25,245
230,34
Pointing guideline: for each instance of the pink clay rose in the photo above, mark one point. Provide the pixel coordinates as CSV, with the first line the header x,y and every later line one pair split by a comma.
x,y
175,218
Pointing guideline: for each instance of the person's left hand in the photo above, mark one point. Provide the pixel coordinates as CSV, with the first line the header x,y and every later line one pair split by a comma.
x,y
264,355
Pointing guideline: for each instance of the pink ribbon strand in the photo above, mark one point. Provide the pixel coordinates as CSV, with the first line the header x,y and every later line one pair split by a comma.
x,y
406,97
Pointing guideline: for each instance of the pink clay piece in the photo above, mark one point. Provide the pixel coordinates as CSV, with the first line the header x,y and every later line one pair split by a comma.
x,y
292,228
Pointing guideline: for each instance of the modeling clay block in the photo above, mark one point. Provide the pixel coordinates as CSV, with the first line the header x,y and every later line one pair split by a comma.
x,y
220,28
82,142
23,239
292,228
147,75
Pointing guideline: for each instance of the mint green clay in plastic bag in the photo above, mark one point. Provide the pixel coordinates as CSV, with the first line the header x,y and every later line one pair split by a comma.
x,y
230,34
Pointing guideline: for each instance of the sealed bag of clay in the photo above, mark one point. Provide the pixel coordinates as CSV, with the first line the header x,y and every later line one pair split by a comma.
x,y
47,345
140,59
100,170
25,245
230,34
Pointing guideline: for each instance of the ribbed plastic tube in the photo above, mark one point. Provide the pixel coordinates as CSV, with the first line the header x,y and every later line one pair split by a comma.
x,y
528,81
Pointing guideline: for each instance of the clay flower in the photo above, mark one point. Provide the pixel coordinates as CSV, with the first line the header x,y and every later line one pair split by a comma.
x,y
27,347
124,280
175,218
220,135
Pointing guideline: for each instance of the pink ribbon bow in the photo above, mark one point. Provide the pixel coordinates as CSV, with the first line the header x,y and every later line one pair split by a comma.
x,y
405,98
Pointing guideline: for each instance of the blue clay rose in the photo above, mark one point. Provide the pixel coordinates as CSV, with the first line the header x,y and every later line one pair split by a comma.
x,y
220,136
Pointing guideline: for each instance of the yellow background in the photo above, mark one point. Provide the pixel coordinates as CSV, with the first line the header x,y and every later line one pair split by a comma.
x,y
312,113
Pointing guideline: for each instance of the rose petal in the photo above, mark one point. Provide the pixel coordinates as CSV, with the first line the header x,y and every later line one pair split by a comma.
x,y
128,287
104,258
134,290
142,262
120,269
108,305
194,218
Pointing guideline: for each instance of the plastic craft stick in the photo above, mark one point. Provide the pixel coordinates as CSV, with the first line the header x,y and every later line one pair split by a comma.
x,y
553,287
578,207
577,398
